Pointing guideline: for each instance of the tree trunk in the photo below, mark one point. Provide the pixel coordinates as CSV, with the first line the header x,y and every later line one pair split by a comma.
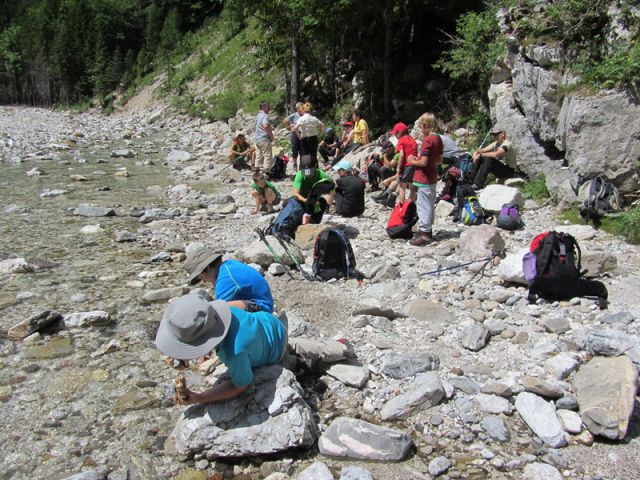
x,y
388,46
295,68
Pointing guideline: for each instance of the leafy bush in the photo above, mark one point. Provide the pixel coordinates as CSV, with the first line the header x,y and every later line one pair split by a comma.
x,y
621,69
625,224
536,189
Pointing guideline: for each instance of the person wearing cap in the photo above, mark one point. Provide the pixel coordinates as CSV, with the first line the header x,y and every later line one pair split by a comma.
x,y
489,159
406,147
235,282
380,172
263,136
349,192
308,128
192,327
309,184
289,122
329,145
426,177
241,154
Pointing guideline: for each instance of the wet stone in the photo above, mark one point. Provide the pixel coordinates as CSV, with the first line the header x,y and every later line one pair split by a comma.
x,y
135,399
36,323
54,348
163,294
124,236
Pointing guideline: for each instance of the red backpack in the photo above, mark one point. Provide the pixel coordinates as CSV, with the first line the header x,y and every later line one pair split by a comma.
x,y
403,218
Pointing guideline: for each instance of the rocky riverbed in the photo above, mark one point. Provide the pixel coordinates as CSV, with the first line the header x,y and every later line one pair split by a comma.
x,y
454,376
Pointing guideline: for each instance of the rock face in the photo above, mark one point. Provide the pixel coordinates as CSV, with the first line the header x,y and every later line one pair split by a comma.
x,y
271,416
428,394
480,241
606,389
541,417
494,196
348,437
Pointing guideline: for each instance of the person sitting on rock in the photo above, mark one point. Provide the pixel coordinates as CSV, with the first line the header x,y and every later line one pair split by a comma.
x,y
241,154
264,193
359,136
328,147
238,284
309,184
191,327
349,193
489,159
379,173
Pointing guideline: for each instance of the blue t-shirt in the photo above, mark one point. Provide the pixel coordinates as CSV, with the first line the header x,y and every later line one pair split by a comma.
x,y
260,134
238,281
253,340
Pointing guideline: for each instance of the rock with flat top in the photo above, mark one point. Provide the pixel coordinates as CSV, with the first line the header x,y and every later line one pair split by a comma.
x,y
479,242
606,390
349,374
96,318
429,392
270,417
494,196
541,417
403,365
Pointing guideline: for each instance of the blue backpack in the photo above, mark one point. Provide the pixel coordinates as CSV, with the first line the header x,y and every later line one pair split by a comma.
x,y
288,220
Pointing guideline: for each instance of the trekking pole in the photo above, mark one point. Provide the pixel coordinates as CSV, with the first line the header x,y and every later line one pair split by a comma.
x,y
458,266
221,170
485,138
293,257
263,238
480,271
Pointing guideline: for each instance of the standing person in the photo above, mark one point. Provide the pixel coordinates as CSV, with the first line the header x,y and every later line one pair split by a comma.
x,y
264,193
407,147
289,122
309,184
308,128
425,177
489,159
263,137
349,191
238,284
241,154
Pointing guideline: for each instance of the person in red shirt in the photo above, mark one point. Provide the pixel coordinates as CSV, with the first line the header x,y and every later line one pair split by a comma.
x,y
406,147
425,177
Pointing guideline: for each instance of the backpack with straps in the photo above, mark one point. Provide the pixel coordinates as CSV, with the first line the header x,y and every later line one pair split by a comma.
x,y
279,168
464,162
288,220
471,212
333,256
403,218
450,184
509,217
603,197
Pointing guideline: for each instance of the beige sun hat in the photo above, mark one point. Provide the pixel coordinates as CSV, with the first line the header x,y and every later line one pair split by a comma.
x,y
198,261
191,326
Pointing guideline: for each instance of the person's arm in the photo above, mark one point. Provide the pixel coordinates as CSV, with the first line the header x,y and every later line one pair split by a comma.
x,y
349,139
222,391
267,128
365,134
296,193
423,161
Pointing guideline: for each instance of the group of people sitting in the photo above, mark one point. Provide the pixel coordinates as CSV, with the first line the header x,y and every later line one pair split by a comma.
x,y
405,170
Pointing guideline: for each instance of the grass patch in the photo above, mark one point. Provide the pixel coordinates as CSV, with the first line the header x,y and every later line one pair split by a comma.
x,y
536,189
625,224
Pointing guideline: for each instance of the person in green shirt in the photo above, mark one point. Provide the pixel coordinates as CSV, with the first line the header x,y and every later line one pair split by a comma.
x,y
264,193
241,154
309,184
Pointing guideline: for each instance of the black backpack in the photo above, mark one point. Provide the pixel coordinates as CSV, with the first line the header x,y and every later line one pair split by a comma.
x,y
603,197
278,169
509,217
288,220
333,256
403,218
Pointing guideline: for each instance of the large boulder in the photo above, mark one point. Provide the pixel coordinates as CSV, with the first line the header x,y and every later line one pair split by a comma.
x,y
494,196
606,390
480,241
257,252
348,437
270,417
306,234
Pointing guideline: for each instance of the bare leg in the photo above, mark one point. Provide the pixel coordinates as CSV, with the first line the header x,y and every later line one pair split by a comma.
x,y
259,199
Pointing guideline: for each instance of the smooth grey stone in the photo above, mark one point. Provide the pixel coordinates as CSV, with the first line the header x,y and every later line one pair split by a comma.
x,y
438,466
429,392
348,437
354,472
541,417
620,317
317,471
476,337
541,471
87,210
465,384
95,318
403,365
495,428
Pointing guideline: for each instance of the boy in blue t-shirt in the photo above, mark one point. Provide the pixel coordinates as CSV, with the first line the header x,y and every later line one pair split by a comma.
x,y
235,282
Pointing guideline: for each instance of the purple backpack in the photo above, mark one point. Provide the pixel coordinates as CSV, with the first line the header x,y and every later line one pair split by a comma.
x,y
509,217
529,267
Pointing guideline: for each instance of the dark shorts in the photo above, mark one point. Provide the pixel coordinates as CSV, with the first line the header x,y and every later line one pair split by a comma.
x,y
407,174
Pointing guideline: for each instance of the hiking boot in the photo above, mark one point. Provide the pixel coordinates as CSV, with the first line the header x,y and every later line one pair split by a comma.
x,y
373,188
380,197
390,201
421,239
